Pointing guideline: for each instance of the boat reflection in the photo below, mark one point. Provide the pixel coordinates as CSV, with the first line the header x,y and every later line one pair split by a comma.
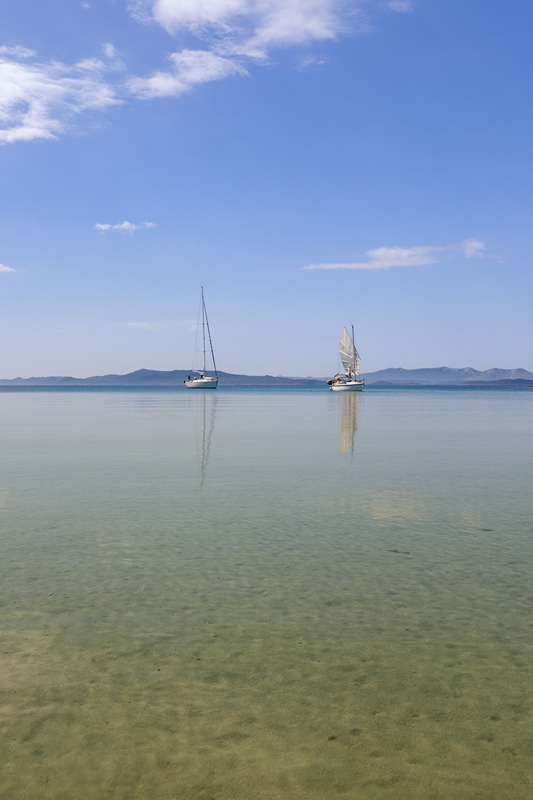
x,y
204,412
348,407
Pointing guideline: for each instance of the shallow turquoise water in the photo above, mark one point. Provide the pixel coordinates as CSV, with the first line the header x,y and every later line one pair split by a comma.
x,y
268,594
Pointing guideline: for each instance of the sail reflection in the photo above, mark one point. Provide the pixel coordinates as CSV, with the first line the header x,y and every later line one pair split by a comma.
x,y
348,406
204,408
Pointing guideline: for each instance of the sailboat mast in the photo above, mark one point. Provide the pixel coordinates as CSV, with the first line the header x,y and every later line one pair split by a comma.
x,y
210,344
203,325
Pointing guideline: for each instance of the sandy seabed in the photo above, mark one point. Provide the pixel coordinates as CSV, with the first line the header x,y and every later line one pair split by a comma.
x,y
370,675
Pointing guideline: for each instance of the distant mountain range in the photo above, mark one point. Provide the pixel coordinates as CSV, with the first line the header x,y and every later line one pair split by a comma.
x,y
445,376
432,376
153,377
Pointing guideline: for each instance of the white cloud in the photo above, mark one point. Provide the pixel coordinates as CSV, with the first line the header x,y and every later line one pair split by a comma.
x,y
311,61
16,52
473,248
388,257
189,68
3,268
278,23
39,100
236,33
125,227
403,6
250,27
176,14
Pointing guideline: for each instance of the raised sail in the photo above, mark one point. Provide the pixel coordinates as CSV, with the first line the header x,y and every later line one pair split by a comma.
x,y
348,353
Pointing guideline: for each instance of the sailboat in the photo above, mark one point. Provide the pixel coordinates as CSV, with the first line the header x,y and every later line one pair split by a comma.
x,y
201,380
350,380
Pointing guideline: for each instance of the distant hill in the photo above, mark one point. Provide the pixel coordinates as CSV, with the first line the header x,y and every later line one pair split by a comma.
x,y
152,377
432,376
444,376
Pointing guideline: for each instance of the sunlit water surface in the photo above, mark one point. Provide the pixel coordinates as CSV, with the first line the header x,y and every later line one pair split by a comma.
x,y
266,594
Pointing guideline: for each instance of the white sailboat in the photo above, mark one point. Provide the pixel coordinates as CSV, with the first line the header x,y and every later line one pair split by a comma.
x,y
349,381
201,380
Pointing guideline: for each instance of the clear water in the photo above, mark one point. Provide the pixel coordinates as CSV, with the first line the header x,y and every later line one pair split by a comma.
x,y
266,594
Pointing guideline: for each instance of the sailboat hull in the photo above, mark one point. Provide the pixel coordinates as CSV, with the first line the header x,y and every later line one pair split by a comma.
x,y
347,386
202,383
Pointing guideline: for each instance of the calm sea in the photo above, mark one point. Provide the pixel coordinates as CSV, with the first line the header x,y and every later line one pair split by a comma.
x,y
277,595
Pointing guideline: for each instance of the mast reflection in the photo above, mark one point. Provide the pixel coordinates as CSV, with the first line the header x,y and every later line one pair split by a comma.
x,y
205,408
348,407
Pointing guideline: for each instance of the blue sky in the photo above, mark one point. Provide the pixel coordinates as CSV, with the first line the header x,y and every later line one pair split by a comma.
x,y
312,163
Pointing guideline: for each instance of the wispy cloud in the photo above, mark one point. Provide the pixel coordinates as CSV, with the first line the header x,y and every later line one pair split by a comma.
x,y
125,227
188,69
403,6
44,99
3,268
250,27
388,257
311,61
235,33
473,248
39,100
